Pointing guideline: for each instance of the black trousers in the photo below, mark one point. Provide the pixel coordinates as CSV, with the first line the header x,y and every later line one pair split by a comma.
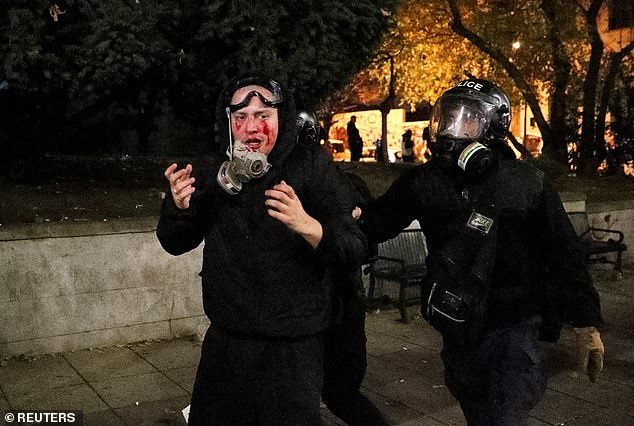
x,y
356,152
247,380
499,381
344,368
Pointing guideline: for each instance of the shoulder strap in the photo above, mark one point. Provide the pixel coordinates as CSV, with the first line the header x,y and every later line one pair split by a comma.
x,y
486,205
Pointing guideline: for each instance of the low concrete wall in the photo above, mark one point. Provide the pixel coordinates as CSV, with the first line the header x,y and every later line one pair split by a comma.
x,y
68,286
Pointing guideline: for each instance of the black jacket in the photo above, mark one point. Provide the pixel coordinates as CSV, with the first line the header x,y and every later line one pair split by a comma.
x,y
539,267
260,278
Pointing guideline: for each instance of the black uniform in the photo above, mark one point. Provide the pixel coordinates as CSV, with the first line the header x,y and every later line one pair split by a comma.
x,y
345,354
266,292
539,277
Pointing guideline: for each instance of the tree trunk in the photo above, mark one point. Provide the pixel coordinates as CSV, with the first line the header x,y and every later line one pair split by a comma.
x,y
385,108
614,61
587,144
510,68
559,101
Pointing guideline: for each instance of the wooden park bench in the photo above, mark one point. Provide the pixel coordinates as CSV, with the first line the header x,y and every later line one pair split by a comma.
x,y
599,245
399,261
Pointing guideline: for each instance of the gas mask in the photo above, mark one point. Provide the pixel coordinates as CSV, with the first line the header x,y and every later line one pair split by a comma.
x,y
472,157
242,166
465,121
458,125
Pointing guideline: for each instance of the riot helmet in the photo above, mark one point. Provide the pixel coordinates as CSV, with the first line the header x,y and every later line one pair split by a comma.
x,y
308,128
465,121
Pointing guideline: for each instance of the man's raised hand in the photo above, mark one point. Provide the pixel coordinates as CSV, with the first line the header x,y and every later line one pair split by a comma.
x,y
180,184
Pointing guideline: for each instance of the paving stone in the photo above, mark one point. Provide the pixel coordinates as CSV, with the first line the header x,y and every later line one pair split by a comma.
x,y
535,422
108,363
418,359
48,372
557,408
381,372
127,391
163,412
183,376
602,393
450,415
4,404
395,412
424,336
103,418
381,344
416,392
422,421
417,331
75,397
170,354
603,417
619,362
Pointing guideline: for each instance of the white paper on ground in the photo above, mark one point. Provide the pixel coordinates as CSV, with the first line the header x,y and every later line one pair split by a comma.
x,y
186,413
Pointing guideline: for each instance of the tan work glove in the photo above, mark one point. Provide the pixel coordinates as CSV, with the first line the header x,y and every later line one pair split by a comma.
x,y
590,350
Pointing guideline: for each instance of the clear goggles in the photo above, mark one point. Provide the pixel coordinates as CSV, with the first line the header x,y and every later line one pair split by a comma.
x,y
272,86
461,117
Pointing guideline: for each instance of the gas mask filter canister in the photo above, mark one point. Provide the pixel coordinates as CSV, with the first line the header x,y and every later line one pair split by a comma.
x,y
475,158
243,166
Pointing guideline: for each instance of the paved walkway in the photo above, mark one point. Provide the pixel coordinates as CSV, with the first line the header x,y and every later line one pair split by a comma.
x,y
149,383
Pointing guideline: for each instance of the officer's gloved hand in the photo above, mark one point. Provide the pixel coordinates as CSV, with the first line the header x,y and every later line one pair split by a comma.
x,y
590,350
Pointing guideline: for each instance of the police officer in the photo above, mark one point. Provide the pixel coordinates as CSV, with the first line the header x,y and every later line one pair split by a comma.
x,y
538,279
345,353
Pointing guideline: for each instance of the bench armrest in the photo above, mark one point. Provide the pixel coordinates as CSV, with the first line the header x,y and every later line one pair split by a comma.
x,y
394,271
608,231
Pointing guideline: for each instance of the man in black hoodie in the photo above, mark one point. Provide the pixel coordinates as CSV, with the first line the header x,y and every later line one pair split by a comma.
x,y
275,220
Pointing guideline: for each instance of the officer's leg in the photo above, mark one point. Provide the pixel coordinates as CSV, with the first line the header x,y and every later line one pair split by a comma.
x,y
466,380
344,368
520,377
498,382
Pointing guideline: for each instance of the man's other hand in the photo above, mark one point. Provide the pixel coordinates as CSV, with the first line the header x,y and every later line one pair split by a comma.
x,y
356,213
590,351
284,205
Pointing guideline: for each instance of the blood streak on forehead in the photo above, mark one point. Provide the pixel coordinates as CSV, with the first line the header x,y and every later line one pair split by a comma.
x,y
238,95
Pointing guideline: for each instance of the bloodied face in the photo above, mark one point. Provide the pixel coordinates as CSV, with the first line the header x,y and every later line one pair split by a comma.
x,y
256,124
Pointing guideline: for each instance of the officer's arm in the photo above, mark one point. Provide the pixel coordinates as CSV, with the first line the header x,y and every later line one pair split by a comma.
x,y
388,215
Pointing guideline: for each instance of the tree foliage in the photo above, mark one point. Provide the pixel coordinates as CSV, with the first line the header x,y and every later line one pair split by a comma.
x,y
113,63
438,42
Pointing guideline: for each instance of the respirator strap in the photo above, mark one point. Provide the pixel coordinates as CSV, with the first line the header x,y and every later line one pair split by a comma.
x,y
230,147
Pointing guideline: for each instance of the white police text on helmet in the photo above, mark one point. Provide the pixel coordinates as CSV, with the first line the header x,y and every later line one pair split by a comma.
x,y
471,84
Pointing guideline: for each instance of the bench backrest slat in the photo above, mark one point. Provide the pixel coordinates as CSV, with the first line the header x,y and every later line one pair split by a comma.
x,y
409,245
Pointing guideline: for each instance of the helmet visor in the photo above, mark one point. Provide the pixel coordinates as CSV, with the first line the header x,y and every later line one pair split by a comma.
x,y
272,86
460,117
